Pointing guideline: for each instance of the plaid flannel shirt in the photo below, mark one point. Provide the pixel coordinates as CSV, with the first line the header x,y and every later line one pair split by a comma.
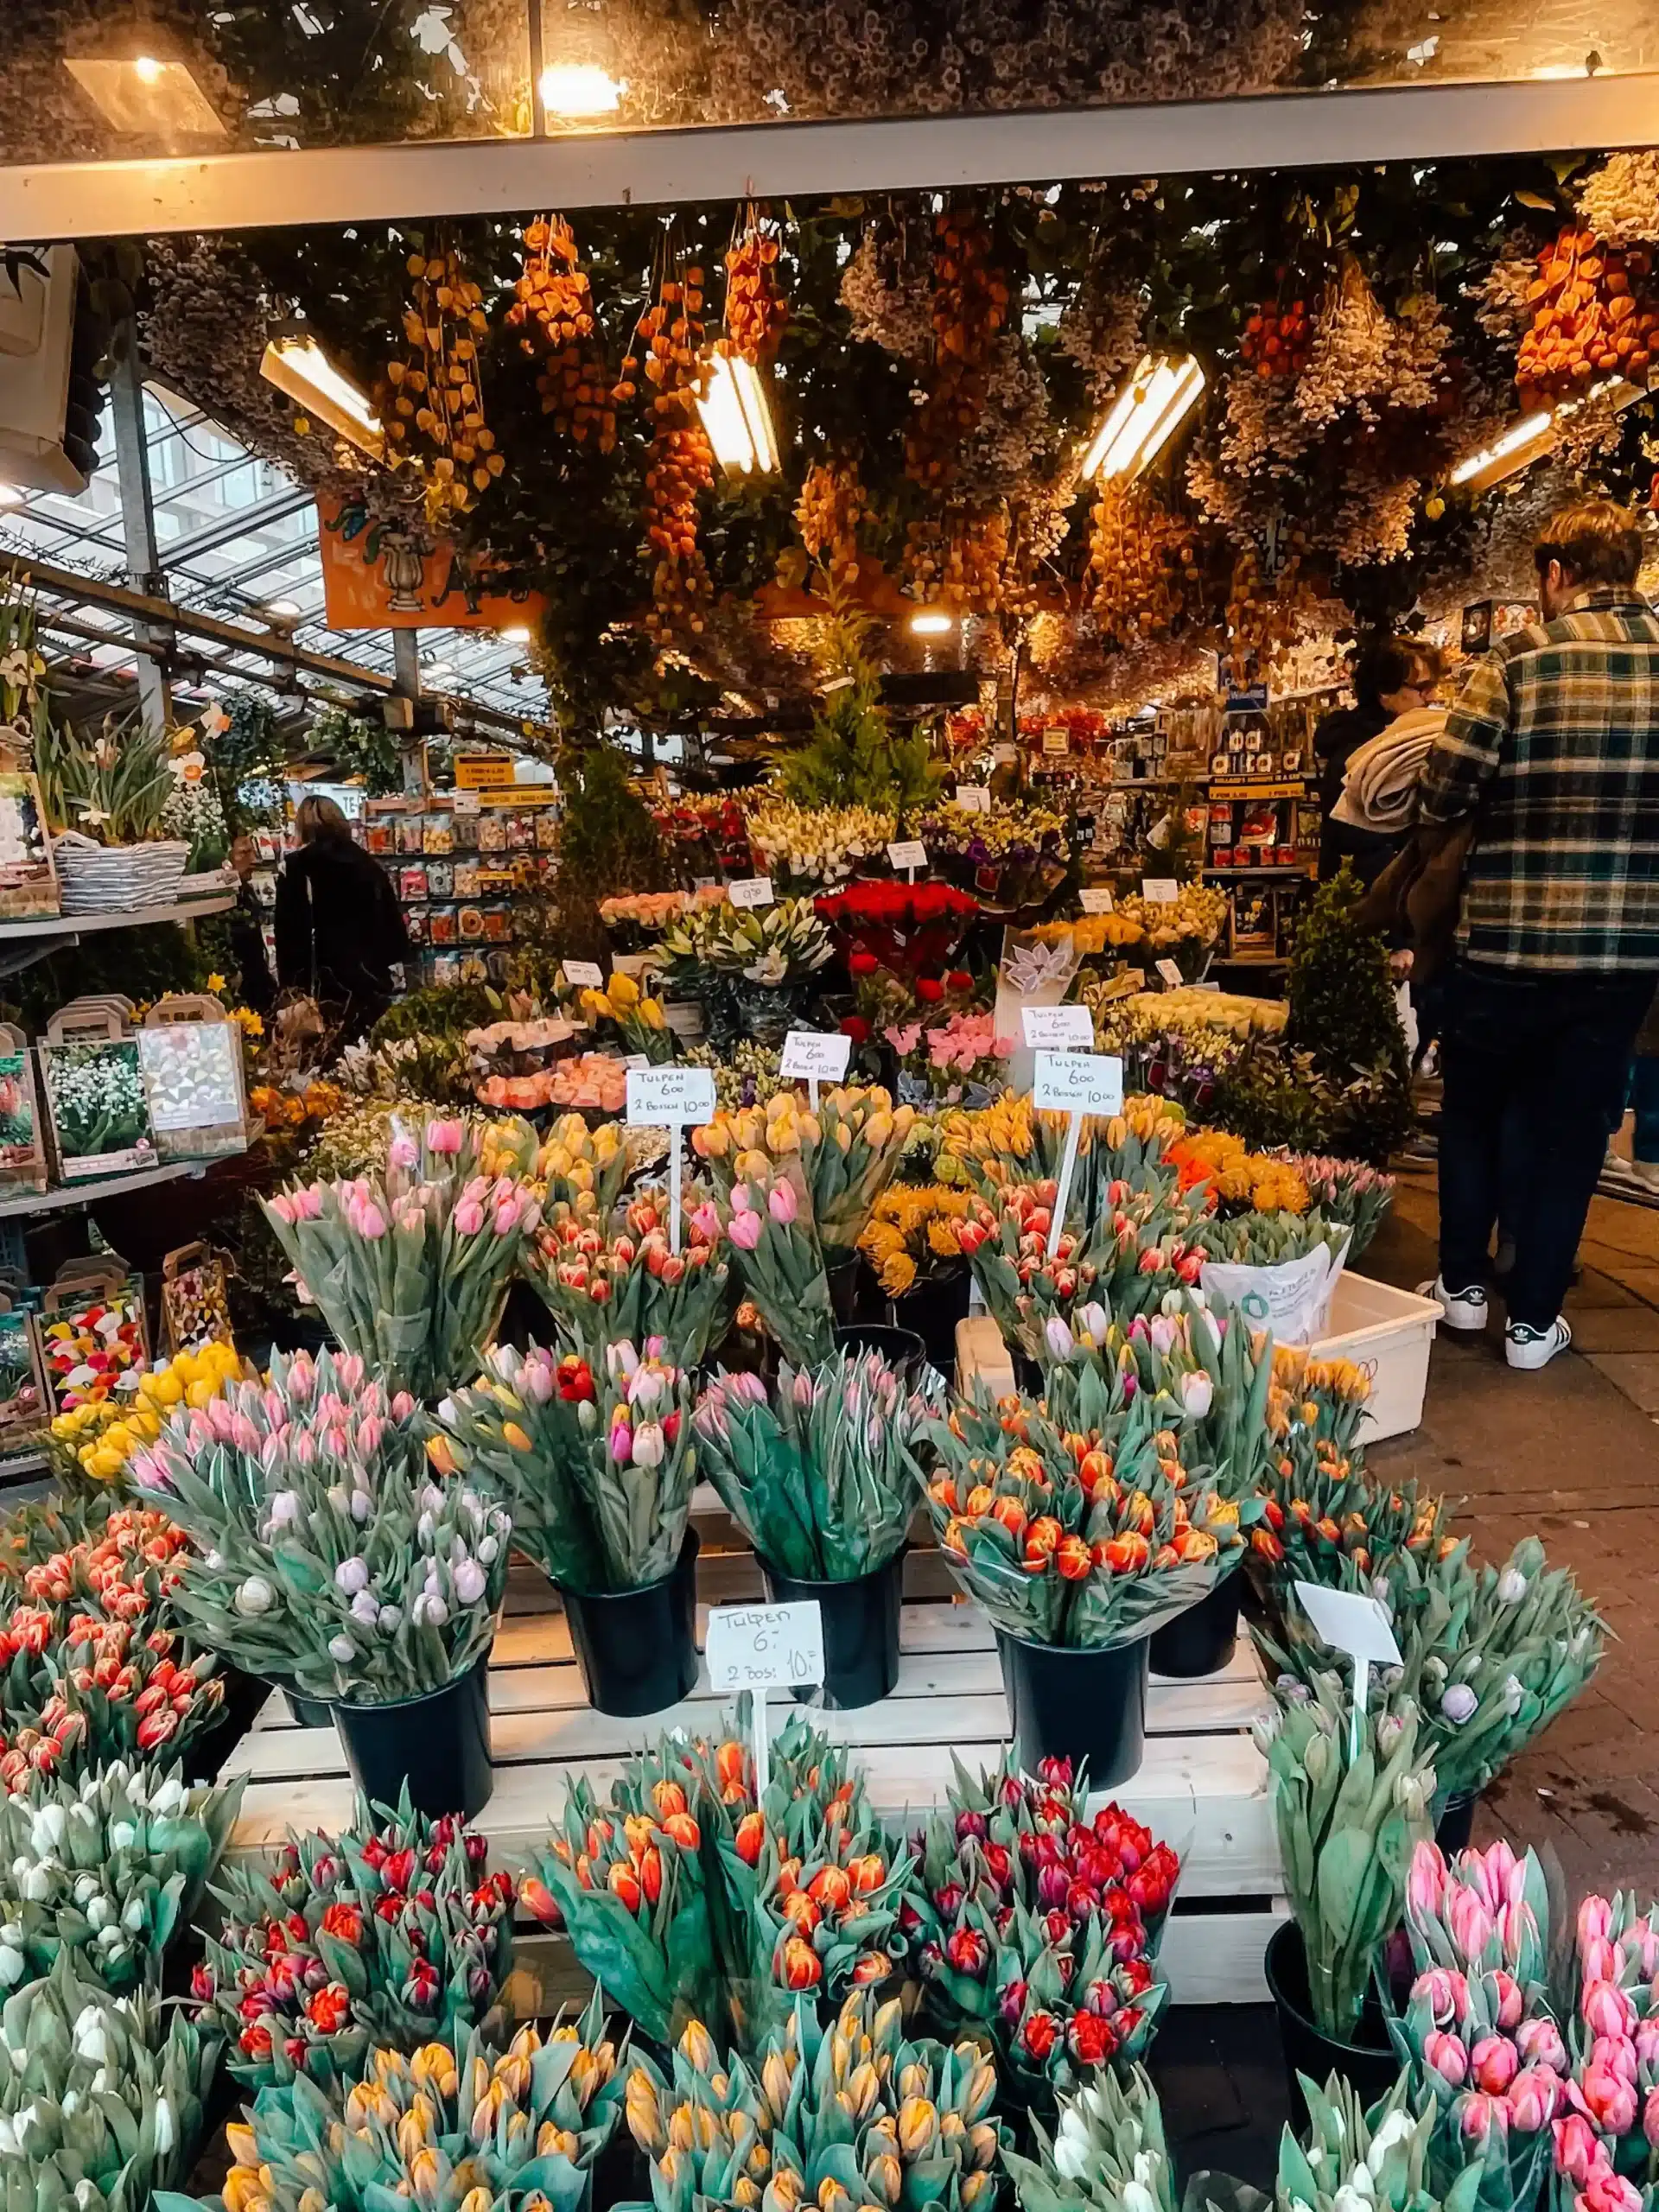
x,y
1553,746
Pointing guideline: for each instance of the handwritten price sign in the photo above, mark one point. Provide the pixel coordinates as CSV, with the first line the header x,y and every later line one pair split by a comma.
x,y
766,1647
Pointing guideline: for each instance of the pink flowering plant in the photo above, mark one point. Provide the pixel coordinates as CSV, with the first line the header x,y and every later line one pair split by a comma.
x,y
410,1267
328,1554
599,1461
388,1934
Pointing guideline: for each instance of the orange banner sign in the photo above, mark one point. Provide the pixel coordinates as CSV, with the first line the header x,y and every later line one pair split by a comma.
x,y
380,574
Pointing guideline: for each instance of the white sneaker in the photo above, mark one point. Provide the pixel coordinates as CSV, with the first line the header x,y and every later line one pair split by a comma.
x,y
1465,1310
1646,1172
1530,1348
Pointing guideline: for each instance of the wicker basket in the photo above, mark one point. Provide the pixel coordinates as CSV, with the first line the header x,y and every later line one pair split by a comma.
x,y
115,879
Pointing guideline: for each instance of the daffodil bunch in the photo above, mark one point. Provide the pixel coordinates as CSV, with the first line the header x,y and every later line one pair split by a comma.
x,y
816,1469
1108,2152
632,1016
913,1234
101,2102
103,1433
768,1219
1087,1536
105,1870
852,2112
599,1461
329,1556
454,2124
410,1267
389,1934
633,1286
848,1152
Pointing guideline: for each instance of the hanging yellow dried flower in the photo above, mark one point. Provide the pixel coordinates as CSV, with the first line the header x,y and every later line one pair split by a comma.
x,y
431,402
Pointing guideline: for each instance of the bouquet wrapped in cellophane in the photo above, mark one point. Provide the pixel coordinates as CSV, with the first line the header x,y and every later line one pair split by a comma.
x,y
390,1933
1108,2152
410,1267
768,1219
815,1468
1090,1536
104,1871
598,1461
602,1288
330,1557
455,2123
847,1152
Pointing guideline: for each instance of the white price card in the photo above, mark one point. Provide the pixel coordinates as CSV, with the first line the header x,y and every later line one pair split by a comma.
x,y
974,798
1078,1083
466,802
1095,899
636,1060
586,975
765,1647
659,1097
1160,890
1357,1624
1170,975
1005,756
1057,741
751,891
1058,1028
907,853
815,1055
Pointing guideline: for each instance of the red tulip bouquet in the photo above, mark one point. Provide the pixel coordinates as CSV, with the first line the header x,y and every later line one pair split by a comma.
x,y
911,930
390,1933
1087,1537
604,1289
96,1690
1039,1928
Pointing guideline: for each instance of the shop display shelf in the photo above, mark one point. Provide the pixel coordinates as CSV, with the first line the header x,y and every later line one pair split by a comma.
x,y
97,1187
22,943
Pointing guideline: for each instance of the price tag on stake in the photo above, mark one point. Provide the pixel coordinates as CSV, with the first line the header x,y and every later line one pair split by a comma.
x,y
1004,756
1058,1028
1350,1622
1169,975
814,1056
586,975
751,891
1074,1083
667,1098
1095,899
1160,890
758,1648
908,853
974,798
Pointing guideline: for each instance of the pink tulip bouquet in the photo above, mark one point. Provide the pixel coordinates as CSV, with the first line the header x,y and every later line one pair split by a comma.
x,y
775,1247
410,1267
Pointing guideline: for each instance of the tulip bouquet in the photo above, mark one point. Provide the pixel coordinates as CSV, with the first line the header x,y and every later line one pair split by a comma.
x,y
913,1234
576,1164
1107,2153
847,1153
1382,2157
636,920
454,2123
767,1216
601,1289
1270,1240
1088,1537
329,1558
100,2103
94,1690
1219,1165
911,930
631,1016
1346,1190
1013,855
410,1266
1037,1928
117,1567
809,848
1348,1819
101,1435
686,1898
390,1933
104,1871
599,1464
816,1470
1011,1141
852,2111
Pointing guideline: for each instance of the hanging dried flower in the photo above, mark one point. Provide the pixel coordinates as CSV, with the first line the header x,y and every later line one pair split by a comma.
x,y
1620,202
431,402
554,312
1348,364
970,305
954,556
888,295
1594,316
756,310
681,467
827,514
1141,563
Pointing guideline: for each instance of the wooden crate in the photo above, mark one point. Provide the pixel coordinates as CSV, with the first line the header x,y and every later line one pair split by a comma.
x,y
1201,1784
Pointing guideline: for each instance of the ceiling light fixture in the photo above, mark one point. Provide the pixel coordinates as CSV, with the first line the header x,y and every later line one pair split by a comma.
x,y
519,635
284,610
931,622
1143,417
737,415
1520,444
580,88
146,95
297,364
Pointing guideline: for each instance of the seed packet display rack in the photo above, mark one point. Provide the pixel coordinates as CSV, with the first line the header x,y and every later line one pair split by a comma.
x,y
1202,1783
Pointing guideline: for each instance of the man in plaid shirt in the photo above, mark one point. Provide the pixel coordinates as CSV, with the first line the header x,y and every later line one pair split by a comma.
x,y
1553,748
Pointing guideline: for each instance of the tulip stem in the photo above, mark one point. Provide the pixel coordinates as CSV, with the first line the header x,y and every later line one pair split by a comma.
x,y
762,1747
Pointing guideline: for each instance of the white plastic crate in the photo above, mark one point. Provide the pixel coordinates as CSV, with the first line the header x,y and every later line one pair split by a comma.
x,y
1386,1333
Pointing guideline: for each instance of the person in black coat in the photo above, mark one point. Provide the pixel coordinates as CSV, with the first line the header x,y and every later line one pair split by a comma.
x,y
340,929
1391,676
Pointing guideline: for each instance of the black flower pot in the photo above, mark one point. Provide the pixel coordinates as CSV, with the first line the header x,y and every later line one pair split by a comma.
x,y
1454,1821
932,1310
861,1632
245,1697
902,1349
1199,1641
438,1745
1368,2062
638,1649
309,1711
1087,1706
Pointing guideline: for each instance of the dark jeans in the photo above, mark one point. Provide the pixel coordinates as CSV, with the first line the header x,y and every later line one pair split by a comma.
x,y
1533,1064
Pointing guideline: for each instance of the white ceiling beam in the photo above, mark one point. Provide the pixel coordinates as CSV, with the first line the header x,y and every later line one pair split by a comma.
x,y
777,160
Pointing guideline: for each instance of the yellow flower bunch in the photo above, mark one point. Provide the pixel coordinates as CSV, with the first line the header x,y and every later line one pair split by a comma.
x,y
1146,1017
582,1166
105,1433
1197,911
1092,934
912,1226
848,1151
1240,1177
1011,1141
620,1002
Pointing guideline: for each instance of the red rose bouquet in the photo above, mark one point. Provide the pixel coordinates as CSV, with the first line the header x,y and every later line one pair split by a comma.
x,y
389,1934
1038,1927
912,929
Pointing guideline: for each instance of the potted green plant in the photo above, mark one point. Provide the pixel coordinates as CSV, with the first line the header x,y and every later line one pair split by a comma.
x,y
105,795
815,1470
599,1464
1351,1802
332,1558
1078,1541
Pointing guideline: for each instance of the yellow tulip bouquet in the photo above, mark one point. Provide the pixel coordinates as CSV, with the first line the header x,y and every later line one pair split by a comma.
x,y
632,1016
101,1435
847,1153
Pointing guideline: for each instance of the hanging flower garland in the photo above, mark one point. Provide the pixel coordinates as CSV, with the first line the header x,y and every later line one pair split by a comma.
x,y
1594,314
554,311
829,513
970,305
1142,563
681,467
757,312
431,402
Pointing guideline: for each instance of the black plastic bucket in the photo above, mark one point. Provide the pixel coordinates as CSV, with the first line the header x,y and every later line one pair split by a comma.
x,y
204,1758
861,1632
309,1711
1368,2062
439,1745
638,1649
932,1310
1087,1706
1454,1824
855,1294
1199,1641
902,1349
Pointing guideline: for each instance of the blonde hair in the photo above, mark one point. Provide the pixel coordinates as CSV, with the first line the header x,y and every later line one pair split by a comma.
x,y
318,820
